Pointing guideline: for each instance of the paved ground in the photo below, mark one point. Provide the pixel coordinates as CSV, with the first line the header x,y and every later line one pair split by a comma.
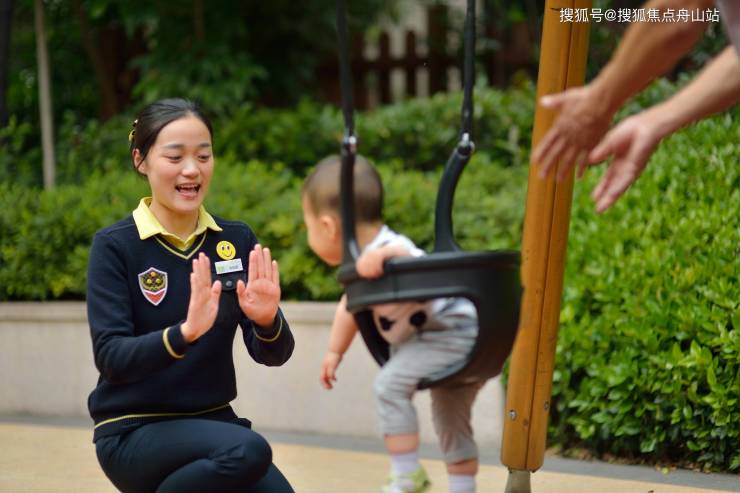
x,y
55,455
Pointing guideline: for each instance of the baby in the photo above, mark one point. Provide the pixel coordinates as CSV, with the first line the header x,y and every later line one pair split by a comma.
x,y
424,337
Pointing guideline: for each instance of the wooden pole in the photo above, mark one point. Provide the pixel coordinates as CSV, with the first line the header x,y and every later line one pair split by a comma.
x,y
437,27
45,110
562,65
384,64
410,63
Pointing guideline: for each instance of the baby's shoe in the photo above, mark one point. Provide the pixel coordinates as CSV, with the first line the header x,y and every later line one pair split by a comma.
x,y
414,482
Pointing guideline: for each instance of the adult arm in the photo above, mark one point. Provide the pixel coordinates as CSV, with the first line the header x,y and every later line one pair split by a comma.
x,y
633,141
271,345
647,51
122,353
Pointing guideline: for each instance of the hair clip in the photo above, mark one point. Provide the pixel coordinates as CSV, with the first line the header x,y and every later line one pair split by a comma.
x,y
132,133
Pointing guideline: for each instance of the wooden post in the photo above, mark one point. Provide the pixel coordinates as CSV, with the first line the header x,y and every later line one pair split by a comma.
x,y
357,59
518,58
45,109
494,66
562,64
437,47
384,68
410,63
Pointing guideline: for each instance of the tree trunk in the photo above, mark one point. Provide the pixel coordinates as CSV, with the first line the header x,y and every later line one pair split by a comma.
x,y
6,21
106,84
47,125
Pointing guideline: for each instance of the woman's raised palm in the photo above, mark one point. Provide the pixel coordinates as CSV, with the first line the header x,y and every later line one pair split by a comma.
x,y
260,297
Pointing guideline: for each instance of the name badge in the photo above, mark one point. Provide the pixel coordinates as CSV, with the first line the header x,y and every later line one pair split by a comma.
x,y
227,266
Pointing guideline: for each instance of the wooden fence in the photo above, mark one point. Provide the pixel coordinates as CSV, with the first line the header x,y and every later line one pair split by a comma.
x,y
372,76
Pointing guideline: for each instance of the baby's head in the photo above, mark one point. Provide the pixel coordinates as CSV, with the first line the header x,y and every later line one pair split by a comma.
x,y
320,200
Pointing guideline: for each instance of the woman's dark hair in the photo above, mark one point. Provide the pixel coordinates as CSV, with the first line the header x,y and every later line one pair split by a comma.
x,y
155,116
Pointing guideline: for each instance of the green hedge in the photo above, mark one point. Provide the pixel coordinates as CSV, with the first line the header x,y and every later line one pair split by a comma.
x,y
648,358
44,236
418,133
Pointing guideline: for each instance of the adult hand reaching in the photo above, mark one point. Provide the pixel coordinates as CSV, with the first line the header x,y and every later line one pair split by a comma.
x,y
203,306
631,143
260,297
582,121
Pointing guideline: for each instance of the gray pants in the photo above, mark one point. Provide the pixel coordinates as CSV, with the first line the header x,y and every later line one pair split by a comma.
x,y
419,357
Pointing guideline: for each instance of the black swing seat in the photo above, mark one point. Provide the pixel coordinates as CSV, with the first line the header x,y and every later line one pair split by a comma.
x,y
488,279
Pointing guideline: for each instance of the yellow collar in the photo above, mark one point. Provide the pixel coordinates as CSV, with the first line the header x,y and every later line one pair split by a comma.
x,y
148,225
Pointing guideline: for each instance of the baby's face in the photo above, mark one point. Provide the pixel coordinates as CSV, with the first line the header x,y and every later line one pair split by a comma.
x,y
324,235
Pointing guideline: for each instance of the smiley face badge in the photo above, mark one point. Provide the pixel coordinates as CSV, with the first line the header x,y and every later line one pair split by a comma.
x,y
153,285
225,250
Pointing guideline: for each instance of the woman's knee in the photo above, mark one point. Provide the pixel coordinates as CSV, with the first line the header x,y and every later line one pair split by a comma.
x,y
248,457
272,482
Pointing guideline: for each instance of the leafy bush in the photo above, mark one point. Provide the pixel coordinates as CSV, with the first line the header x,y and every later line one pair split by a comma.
x,y
297,137
423,132
16,164
81,149
46,235
420,134
648,358
217,80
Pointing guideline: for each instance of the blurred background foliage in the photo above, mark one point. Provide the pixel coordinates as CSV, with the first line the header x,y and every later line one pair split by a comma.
x,y
110,57
107,55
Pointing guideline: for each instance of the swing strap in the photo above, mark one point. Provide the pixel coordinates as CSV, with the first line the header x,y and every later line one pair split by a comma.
x,y
345,70
443,232
444,239
468,70
351,249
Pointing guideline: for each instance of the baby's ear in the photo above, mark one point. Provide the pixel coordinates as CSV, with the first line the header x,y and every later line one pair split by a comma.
x,y
331,225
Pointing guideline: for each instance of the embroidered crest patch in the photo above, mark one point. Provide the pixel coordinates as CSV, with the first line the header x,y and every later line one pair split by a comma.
x,y
153,284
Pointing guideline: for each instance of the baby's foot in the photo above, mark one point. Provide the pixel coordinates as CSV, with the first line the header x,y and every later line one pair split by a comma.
x,y
414,482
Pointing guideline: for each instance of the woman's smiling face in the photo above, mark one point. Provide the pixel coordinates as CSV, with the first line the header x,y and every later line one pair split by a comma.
x,y
179,165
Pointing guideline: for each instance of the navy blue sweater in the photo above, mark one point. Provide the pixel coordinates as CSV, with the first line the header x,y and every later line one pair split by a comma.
x,y
137,297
